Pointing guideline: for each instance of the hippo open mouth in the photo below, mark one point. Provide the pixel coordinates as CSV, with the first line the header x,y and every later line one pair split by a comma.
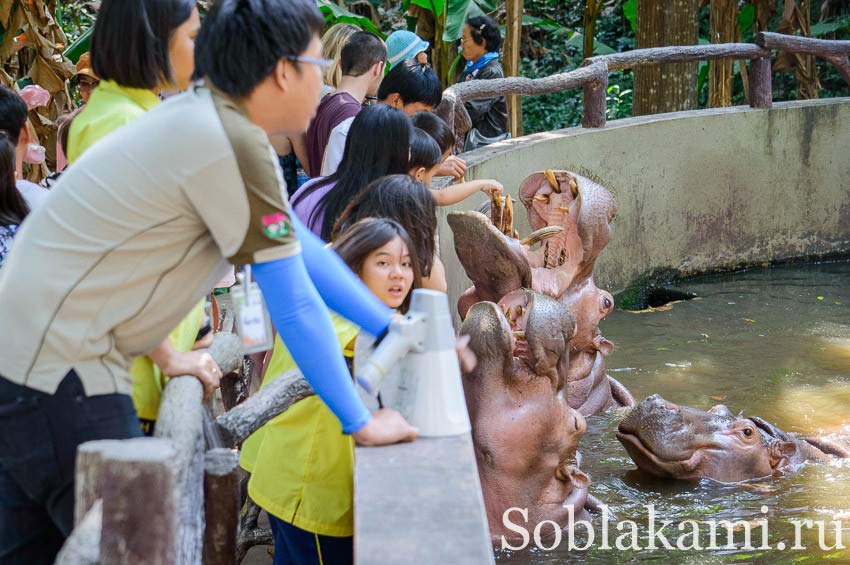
x,y
659,439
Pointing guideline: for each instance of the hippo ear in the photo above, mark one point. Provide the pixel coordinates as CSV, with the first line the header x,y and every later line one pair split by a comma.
x,y
721,410
603,345
496,264
781,452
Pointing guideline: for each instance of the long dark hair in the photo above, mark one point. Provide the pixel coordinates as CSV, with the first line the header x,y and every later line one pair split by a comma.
x,y
378,144
404,200
130,40
356,243
13,207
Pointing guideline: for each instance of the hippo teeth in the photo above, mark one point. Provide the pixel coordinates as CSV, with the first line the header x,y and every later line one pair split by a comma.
x,y
541,198
519,334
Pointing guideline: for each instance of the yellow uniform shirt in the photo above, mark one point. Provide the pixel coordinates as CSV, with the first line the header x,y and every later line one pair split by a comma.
x,y
301,464
110,107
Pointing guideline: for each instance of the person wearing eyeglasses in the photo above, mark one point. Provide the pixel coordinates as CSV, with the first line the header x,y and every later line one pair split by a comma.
x,y
362,61
141,227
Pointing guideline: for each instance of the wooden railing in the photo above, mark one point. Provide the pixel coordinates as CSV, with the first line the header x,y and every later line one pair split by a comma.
x,y
174,498
592,76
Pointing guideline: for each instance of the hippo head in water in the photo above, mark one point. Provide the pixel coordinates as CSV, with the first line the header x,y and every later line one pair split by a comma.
x,y
668,440
525,433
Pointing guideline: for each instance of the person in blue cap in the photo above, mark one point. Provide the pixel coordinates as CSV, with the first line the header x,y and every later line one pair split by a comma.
x,y
403,44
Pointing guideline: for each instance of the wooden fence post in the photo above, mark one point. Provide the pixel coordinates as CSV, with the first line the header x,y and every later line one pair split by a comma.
x,y
761,83
138,482
595,103
221,506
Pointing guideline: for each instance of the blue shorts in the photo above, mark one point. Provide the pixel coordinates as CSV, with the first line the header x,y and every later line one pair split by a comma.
x,y
294,546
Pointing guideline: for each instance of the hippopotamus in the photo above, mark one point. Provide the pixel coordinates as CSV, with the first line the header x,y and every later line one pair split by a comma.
x,y
667,440
524,431
570,216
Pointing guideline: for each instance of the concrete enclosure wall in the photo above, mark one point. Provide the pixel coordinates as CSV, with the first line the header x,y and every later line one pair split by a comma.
x,y
696,191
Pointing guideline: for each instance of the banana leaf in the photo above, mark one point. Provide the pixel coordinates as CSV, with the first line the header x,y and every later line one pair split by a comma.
x,y
335,14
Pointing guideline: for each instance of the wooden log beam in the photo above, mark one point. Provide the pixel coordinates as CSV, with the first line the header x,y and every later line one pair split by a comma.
x,y
138,481
804,45
83,545
452,110
87,475
678,54
265,404
221,506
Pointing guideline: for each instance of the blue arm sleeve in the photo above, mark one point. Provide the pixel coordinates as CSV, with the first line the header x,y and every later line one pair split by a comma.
x,y
342,290
305,326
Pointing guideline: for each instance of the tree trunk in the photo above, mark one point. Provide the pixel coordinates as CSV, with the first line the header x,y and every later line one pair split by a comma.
x,y
724,29
513,37
591,13
671,87
797,17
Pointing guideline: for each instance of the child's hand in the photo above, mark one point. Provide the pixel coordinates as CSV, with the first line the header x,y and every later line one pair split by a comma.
x,y
454,167
491,186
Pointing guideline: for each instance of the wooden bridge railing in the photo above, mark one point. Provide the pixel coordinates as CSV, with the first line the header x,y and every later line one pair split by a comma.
x,y
592,77
170,499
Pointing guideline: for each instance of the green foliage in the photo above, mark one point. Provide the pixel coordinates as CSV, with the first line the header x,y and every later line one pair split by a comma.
x,y
335,14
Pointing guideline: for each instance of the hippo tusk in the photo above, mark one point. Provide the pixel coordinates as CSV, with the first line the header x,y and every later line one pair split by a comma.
x,y
574,187
541,234
519,334
553,180
496,209
508,217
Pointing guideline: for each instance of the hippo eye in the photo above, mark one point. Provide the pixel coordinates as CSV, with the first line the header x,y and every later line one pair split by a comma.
x,y
607,303
748,432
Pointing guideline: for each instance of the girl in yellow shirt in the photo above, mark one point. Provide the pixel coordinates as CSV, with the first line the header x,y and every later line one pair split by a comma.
x,y
301,464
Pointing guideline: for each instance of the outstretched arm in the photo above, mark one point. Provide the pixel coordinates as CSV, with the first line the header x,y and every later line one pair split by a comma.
x,y
305,326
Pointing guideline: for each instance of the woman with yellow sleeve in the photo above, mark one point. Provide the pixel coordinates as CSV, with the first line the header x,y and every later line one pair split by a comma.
x,y
301,464
163,35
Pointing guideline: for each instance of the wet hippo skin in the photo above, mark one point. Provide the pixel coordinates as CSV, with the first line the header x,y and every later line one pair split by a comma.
x,y
571,217
667,440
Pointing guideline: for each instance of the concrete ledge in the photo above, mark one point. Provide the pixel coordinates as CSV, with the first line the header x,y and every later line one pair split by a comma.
x,y
419,503
697,191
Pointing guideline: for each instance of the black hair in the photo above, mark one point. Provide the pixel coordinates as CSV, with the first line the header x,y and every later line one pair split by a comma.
x,y
241,41
360,53
404,200
436,127
13,113
130,40
356,243
484,28
413,82
378,144
424,151
13,207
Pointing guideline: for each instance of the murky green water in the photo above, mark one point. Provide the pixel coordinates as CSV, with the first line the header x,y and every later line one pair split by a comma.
x,y
771,342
